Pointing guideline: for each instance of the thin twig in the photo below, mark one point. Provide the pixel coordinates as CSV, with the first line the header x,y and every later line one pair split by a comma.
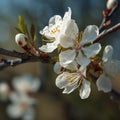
x,y
107,18
106,32
14,62
12,53
21,58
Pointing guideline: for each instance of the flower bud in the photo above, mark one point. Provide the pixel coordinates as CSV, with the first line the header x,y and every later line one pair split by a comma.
x,y
111,4
21,39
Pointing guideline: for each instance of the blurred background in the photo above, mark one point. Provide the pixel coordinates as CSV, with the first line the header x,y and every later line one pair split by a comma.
x,y
51,104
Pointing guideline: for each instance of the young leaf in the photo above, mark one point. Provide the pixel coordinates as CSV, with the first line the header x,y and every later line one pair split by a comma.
x,y
32,32
22,26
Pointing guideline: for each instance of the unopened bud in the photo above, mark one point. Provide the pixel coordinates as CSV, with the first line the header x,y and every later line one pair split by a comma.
x,y
111,4
21,39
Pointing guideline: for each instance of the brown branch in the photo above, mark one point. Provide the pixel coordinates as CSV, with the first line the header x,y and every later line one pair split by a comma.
x,y
12,53
107,18
21,58
106,32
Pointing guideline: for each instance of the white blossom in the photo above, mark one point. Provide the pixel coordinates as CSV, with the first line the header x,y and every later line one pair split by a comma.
x,y
56,23
26,84
20,105
70,81
104,81
79,52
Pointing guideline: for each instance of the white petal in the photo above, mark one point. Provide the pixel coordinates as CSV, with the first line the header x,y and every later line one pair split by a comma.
x,y
112,68
107,54
15,111
61,80
67,57
26,83
35,85
68,34
67,15
68,81
92,50
47,32
4,91
85,89
71,87
57,68
104,83
83,70
82,60
49,47
29,114
55,20
14,97
90,34
72,66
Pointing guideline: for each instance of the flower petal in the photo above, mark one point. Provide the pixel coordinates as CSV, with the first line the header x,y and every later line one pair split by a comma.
x,y
55,20
67,57
62,80
71,87
104,83
82,60
67,15
68,35
18,111
92,50
54,27
85,89
90,34
107,54
68,81
112,68
57,68
72,66
83,70
49,47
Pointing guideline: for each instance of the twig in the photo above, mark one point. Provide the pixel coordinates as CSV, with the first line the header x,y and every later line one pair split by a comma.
x,y
21,58
107,18
12,53
106,32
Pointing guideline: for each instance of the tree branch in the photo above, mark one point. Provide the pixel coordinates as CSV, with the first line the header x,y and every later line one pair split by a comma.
x,y
106,32
21,58
12,53
107,18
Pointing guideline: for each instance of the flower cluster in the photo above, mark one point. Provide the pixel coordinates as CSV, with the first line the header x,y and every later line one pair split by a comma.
x,y
80,58
20,96
77,51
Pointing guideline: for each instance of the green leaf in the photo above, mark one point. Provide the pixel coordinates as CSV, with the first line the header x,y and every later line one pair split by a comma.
x,y
32,32
22,27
